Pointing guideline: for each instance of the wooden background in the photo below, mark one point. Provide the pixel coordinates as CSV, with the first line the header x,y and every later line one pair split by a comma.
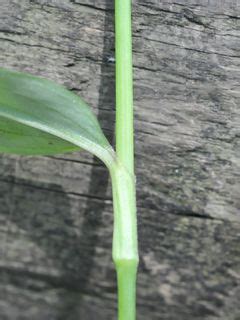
x,y
56,212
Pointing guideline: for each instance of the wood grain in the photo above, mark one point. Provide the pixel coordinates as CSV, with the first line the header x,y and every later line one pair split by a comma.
x,y
56,212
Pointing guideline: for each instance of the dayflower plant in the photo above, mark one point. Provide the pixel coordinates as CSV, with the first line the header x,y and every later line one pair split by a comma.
x,y
39,117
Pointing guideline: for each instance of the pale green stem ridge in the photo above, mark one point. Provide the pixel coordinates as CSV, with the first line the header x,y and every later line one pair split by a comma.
x,y
125,251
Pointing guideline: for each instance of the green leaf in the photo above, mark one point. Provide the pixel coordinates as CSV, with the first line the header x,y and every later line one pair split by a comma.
x,y
14,137
38,116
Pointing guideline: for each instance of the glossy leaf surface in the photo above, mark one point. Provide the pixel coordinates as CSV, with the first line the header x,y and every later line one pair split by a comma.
x,y
38,116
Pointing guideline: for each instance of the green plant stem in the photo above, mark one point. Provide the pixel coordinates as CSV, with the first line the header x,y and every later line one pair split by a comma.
x,y
125,248
124,86
125,252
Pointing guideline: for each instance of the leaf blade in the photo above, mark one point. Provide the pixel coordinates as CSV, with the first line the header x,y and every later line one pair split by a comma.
x,y
41,104
15,136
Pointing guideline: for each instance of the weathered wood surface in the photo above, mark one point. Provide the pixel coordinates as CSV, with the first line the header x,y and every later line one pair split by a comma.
x,y
56,212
